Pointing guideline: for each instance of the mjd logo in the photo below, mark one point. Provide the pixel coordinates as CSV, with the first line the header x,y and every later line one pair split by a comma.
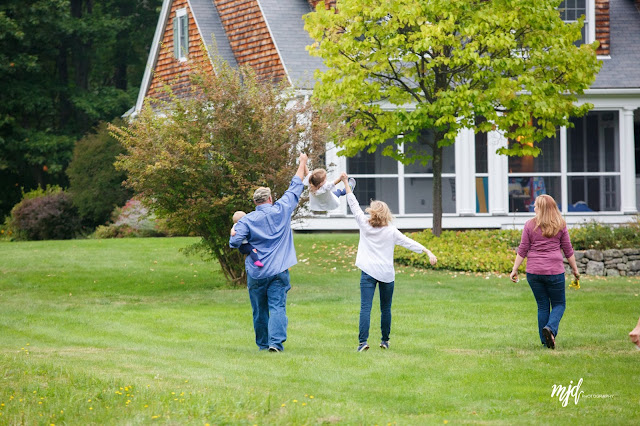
x,y
563,393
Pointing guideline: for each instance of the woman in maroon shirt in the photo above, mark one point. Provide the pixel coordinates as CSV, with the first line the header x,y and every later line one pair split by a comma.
x,y
544,239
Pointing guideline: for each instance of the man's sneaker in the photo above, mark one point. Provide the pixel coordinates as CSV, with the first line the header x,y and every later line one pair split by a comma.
x,y
384,344
352,183
363,347
273,349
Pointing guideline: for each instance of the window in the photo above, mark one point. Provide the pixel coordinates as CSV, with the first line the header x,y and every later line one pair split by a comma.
x,y
181,35
593,163
482,173
531,176
571,11
406,189
366,168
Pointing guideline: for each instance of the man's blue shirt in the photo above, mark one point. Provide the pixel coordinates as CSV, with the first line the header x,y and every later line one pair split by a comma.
x,y
268,230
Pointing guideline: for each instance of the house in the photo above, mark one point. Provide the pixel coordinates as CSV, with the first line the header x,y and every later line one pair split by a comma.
x,y
592,170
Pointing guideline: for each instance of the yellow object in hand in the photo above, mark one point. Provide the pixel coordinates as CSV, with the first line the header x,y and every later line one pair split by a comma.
x,y
575,284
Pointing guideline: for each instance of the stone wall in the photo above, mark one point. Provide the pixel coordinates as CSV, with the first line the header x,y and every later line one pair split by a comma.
x,y
610,263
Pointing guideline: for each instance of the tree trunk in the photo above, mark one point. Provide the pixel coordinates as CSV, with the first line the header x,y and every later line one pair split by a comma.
x,y
437,186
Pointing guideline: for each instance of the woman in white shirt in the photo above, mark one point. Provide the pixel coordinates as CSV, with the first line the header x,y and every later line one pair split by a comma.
x,y
378,238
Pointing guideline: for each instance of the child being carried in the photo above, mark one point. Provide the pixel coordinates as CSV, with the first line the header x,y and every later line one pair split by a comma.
x,y
323,194
245,248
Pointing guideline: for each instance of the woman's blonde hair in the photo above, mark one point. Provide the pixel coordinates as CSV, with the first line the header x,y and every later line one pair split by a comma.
x,y
380,214
316,180
548,217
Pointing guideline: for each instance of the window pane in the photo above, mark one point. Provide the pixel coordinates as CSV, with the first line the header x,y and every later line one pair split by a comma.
x,y
592,145
482,194
547,161
594,193
481,153
421,147
366,163
524,190
383,189
418,195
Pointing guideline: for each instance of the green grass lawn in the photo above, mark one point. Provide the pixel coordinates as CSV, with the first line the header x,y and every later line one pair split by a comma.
x,y
134,332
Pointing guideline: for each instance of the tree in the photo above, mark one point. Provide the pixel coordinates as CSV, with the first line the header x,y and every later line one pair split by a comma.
x,y
94,183
405,66
65,65
197,160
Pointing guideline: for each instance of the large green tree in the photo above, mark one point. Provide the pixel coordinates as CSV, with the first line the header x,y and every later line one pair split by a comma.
x,y
65,65
195,161
402,67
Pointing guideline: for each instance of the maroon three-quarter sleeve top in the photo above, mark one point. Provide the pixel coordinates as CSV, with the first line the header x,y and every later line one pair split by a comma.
x,y
544,255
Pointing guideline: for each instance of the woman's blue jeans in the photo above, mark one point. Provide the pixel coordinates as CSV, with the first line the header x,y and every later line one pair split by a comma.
x,y
549,293
367,290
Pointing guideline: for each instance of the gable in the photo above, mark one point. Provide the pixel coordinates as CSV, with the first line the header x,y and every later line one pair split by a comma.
x,y
168,69
250,38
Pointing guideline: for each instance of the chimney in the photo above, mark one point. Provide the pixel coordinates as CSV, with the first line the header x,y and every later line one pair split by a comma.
x,y
602,26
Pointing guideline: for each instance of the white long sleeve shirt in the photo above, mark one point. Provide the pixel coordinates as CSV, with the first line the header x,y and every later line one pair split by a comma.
x,y
375,249
323,200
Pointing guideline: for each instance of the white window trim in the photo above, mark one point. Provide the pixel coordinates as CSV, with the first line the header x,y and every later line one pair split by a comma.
x,y
180,13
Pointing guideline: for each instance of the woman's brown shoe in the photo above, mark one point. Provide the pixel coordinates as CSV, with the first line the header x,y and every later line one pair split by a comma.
x,y
549,337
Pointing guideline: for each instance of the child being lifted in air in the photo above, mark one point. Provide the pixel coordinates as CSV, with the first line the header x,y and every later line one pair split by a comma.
x,y
323,194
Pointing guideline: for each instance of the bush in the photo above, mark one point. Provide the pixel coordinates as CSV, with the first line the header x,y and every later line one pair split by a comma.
x,y
473,251
47,214
132,220
495,250
594,235
95,184
201,160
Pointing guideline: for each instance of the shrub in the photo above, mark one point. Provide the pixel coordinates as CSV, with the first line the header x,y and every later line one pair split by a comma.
x,y
201,160
474,251
132,220
47,214
594,235
95,184
495,250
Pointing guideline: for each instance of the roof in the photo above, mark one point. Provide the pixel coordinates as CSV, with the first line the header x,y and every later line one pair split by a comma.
x,y
623,69
284,18
210,26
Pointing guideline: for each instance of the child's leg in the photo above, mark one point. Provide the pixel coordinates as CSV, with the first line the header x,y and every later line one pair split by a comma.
x,y
253,255
341,192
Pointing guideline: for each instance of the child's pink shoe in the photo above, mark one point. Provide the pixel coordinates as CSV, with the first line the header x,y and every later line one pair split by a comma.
x,y
258,264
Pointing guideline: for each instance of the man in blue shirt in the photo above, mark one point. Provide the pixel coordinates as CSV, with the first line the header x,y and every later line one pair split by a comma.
x,y
268,230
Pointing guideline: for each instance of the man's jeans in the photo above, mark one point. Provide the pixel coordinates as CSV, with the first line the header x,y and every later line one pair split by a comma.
x,y
269,301
367,290
548,291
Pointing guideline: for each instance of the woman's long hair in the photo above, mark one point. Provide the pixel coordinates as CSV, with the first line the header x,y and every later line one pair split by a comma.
x,y
380,214
548,217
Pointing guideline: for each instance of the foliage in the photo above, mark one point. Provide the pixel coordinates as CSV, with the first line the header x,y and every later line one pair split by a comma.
x,y
65,65
594,235
471,250
95,184
406,67
495,250
132,220
45,214
200,160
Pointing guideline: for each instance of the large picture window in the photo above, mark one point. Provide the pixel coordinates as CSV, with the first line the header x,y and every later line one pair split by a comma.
x,y
406,189
532,176
593,163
